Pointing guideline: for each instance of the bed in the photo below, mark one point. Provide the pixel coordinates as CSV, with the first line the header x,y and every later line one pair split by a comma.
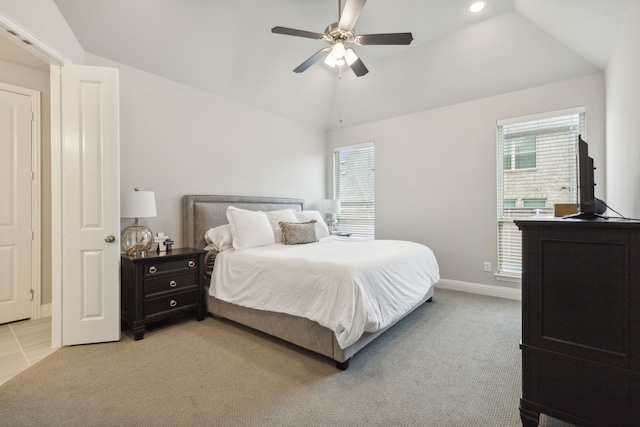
x,y
306,329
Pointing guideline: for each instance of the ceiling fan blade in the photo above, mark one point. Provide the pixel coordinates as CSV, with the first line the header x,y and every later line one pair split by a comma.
x,y
350,13
393,38
298,33
312,60
358,68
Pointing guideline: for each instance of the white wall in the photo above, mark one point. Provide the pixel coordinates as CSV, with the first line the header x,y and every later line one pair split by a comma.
x,y
42,20
436,170
177,140
623,118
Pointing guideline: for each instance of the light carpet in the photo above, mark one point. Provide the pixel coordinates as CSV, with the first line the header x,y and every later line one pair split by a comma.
x,y
453,362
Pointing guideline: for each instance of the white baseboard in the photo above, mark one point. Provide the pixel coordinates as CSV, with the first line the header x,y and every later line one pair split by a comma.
x,y
45,310
481,289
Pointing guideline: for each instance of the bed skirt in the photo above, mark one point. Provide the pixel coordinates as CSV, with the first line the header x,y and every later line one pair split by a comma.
x,y
298,330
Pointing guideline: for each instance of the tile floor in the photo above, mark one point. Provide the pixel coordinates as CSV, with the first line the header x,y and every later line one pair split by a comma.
x,y
23,344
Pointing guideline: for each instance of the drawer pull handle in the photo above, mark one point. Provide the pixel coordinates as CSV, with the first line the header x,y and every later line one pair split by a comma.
x,y
173,283
192,263
173,303
152,269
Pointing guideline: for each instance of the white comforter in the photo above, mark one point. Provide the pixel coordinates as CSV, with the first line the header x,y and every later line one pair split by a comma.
x,y
345,284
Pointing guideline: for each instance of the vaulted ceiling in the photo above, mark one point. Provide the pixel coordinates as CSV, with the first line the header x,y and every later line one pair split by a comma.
x,y
226,47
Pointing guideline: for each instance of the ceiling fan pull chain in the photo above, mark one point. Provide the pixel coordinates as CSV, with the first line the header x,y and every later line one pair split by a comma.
x,y
340,94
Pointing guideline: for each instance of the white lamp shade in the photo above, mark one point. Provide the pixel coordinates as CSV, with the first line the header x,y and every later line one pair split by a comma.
x,y
137,204
331,206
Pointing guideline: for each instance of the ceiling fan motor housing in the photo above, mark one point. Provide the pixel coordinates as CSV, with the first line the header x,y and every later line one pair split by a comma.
x,y
333,33
341,33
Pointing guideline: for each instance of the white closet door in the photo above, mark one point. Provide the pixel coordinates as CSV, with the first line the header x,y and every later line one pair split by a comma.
x,y
90,212
15,206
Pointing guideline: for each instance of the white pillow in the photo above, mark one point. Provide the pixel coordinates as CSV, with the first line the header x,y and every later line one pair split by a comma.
x,y
275,217
321,227
220,237
250,229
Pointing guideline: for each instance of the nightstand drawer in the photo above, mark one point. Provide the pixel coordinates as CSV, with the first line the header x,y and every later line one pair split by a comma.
x,y
170,303
154,268
160,286
170,283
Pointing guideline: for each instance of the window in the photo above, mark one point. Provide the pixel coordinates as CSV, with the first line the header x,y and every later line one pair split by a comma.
x,y
353,185
520,153
536,169
534,203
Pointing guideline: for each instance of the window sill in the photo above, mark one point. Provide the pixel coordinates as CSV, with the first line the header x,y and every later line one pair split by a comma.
x,y
512,278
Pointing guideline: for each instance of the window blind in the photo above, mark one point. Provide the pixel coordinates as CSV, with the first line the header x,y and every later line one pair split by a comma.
x,y
354,186
537,168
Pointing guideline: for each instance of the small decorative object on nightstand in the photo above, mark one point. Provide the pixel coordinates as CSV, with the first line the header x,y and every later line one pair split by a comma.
x,y
161,286
160,239
331,207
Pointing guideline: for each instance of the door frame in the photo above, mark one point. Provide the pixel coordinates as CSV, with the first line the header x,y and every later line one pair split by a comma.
x,y
36,195
56,60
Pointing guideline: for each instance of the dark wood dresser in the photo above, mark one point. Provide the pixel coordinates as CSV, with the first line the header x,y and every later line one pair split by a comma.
x,y
581,321
160,286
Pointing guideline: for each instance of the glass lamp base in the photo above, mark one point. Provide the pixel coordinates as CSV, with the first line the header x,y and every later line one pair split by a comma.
x,y
136,240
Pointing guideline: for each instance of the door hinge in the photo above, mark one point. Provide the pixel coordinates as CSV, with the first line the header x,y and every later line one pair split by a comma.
x,y
31,292
33,176
33,235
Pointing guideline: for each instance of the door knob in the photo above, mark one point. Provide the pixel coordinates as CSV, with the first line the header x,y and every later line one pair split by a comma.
x,y
110,239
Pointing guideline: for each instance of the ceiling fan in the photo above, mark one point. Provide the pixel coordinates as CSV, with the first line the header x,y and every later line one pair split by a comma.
x,y
340,35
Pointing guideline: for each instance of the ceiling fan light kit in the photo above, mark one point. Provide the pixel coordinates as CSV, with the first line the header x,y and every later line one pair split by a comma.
x,y
350,56
339,35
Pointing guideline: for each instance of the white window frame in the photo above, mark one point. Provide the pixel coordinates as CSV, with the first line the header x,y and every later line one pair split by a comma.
x,y
357,216
509,236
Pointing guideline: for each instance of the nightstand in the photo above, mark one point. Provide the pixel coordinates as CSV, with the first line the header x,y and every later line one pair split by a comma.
x,y
159,286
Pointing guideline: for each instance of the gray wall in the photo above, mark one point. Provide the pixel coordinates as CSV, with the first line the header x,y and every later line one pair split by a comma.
x,y
436,171
176,140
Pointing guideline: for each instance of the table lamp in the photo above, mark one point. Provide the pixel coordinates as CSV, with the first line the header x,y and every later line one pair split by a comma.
x,y
137,239
331,207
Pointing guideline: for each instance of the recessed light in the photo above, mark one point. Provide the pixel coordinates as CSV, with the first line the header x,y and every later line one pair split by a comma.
x,y
477,6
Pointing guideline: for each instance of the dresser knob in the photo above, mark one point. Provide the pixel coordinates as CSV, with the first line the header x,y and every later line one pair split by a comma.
x,y
152,269
173,283
173,303
192,263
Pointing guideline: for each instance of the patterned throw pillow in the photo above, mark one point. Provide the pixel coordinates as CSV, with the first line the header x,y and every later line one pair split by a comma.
x,y
298,233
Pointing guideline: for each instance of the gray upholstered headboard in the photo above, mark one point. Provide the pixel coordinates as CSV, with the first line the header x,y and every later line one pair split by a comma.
x,y
200,213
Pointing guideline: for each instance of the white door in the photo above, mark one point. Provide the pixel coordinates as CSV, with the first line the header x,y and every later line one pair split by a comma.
x,y
15,206
90,205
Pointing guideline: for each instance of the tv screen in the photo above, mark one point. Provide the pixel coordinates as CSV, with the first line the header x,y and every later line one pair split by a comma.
x,y
589,207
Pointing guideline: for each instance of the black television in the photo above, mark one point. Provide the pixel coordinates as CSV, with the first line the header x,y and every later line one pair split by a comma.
x,y
589,207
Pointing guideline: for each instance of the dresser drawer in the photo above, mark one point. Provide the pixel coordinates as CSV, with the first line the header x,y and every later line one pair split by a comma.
x,y
170,283
154,268
170,303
